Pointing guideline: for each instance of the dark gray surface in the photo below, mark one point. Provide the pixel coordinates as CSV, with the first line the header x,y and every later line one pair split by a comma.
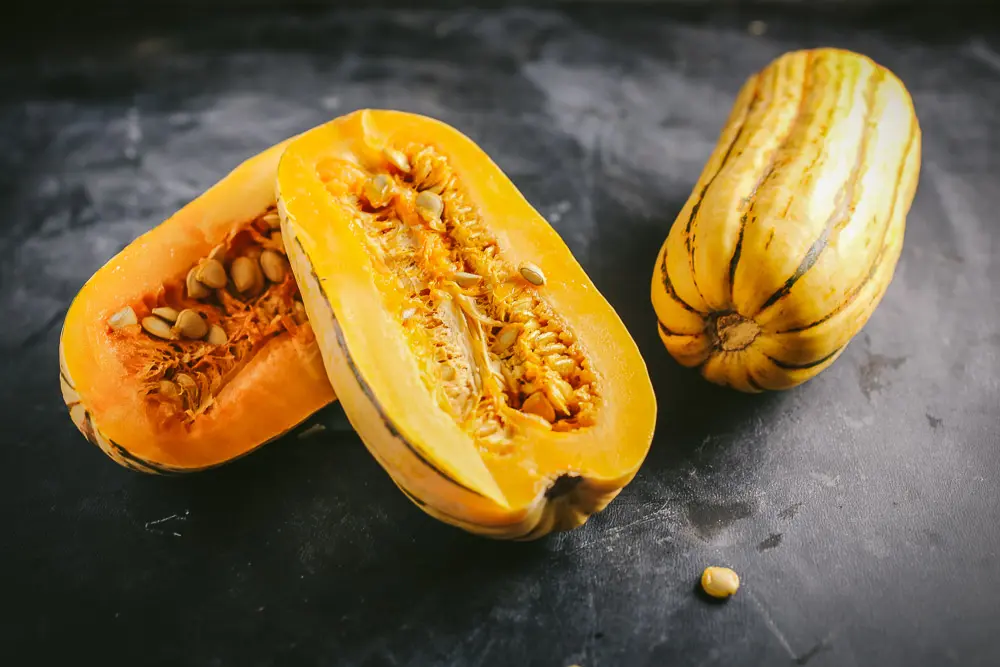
x,y
862,509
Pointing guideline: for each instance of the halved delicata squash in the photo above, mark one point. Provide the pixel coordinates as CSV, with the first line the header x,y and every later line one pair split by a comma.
x,y
191,346
470,351
790,238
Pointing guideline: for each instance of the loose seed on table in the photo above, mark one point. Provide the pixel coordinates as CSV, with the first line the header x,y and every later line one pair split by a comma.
x,y
123,318
274,265
165,313
191,324
195,288
159,328
532,273
720,582
212,274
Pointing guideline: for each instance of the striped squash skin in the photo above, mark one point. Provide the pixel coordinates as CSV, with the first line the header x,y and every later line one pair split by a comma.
x,y
793,231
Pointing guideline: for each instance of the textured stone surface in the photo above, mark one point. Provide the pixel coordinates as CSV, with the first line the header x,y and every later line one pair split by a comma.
x,y
861,510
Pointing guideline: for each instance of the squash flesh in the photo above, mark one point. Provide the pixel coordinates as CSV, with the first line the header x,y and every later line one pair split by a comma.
x,y
373,319
277,381
796,223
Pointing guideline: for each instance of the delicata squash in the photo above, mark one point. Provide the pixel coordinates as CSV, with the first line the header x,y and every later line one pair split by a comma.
x,y
191,346
792,233
469,349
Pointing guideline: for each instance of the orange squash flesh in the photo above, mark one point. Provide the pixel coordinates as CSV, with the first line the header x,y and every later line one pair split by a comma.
x,y
381,316
277,385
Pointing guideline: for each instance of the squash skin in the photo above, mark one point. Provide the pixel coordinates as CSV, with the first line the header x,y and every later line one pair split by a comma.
x,y
279,388
792,233
462,494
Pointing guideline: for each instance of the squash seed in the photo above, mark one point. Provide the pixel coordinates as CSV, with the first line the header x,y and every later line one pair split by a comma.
x,y
537,404
159,328
276,237
191,324
165,313
212,273
408,313
398,159
195,288
506,338
218,253
188,386
448,373
123,318
254,252
217,335
720,582
246,274
429,206
465,279
379,190
299,313
169,390
274,265
272,219
532,273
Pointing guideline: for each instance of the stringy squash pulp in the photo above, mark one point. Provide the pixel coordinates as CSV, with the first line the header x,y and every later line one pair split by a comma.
x,y
469,349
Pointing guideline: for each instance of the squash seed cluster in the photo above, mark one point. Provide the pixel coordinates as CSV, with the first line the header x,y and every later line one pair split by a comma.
x,y
198,330
493,351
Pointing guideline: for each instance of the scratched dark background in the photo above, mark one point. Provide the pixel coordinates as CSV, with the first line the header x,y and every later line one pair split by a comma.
x,y
862,510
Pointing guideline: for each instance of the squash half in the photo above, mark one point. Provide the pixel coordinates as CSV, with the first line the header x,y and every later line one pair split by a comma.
x,y
791,235
470,351
189,402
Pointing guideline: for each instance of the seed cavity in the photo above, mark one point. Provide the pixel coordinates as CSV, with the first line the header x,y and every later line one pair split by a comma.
x,y
185,355
493,351
532,273
123,318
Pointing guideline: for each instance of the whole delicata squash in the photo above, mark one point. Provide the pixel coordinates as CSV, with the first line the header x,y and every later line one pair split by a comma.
x,y
191,346
469,349
792,233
